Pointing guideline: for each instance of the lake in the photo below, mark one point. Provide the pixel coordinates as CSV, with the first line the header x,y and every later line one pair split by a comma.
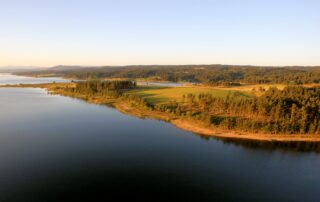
x,y
162,84
12,79
55,148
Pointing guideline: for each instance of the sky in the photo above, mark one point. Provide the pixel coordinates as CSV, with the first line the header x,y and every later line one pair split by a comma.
x,y
143,32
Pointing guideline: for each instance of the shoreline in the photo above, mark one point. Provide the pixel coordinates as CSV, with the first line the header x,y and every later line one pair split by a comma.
x,y
191,126
179,122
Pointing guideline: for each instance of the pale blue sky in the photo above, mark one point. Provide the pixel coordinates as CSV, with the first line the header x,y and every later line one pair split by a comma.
x,y
123,32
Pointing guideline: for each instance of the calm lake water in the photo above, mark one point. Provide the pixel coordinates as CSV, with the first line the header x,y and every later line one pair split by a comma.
x,y
163,84
12,79
55,148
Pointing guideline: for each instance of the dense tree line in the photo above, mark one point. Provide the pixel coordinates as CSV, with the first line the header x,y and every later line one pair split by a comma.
x,y
104,88
292,110
208,74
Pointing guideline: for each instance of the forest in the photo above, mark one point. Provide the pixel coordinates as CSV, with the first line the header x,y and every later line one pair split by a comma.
x,y
206,74
102,88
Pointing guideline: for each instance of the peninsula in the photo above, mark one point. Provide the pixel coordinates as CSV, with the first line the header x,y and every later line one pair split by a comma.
x,y
261,112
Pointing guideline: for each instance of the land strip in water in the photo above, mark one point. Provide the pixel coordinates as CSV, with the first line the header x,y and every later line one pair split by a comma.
x,y
163,96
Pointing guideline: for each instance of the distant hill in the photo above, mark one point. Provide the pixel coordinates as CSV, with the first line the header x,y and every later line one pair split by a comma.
x,y
78,68
207,74
11,69
68,68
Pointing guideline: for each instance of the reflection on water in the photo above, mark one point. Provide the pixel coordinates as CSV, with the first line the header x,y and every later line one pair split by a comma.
x,y
55,148
267,145
272,145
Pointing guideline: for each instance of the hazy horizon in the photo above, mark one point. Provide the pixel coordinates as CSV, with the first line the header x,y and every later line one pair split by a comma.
x,y
117,33
92,66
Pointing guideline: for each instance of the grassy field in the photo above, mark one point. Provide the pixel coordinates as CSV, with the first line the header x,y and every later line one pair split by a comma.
x,y
254,89
162,95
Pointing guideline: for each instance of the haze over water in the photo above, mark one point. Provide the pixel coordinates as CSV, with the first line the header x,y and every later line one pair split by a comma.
x,y
55,148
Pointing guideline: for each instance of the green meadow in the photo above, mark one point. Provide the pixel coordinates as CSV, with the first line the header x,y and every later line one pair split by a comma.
x,y
162,95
